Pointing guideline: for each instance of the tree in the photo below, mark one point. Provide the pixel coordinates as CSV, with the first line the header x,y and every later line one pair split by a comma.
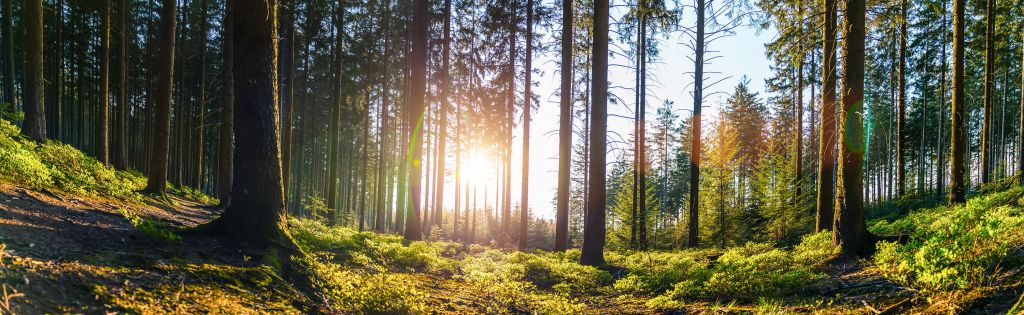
x,y
990,60
594,226
524,205
901,108
257,214
826,148
958,133
698,99
849,230
335,115
162,136
8,36
103,119
417,98
225,166
121,120
34,125
565,130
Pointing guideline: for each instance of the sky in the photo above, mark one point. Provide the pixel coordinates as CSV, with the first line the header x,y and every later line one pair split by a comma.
x,y
742,54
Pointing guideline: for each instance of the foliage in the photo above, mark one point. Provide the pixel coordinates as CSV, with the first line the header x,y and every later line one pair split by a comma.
x,y
193,194
954,247
356,291
57,165
151,227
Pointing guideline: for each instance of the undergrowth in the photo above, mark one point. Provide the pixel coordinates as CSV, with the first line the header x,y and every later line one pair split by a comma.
x,y
61,166
961,247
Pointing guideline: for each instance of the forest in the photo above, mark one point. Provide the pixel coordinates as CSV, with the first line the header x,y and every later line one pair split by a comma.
x,y
377,157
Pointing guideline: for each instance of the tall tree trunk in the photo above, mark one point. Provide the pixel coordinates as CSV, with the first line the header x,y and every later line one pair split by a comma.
x,y
1020,130
289,96
940,180
901,108
258,214
162,136
698,100
642,132
958,129
121,120
103,123
565,131
442,141
417,98
990,58
201,124
8,35
524,205
827,138
335,116
225,164
34,125
594,227
849,230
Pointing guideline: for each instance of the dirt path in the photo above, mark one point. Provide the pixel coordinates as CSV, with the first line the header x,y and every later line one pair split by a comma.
x,y
71,254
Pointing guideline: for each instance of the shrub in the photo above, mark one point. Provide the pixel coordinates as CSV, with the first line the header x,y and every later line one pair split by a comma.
x,y
351,291
193,194
955,247
657,272
815,250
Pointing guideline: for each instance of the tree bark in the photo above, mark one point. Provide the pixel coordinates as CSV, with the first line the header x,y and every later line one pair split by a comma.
x,y
121,120
225,164
958,132
8,35
161,135
594,226
990,58
34,125
417,98
698,99
335,116
901,108
849,230
565,131
524,205
827,138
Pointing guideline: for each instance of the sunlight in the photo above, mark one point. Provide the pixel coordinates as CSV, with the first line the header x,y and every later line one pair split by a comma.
x,y
477,169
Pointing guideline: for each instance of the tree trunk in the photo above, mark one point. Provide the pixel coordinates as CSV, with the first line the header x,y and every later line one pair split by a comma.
x,y
990,58
103,121
940,171
8,35
698,99
849,230
901,108
335,116
34,125
225,164
958,129
827,138
594,227
258,214
121,120
201,122
417,98
565,131
161,135
524,205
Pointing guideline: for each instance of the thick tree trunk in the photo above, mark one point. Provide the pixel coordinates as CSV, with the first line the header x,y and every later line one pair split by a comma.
x,y
594,227
849,230
258,214
417,99
827,138
225,164
34,125
161,135
958,129
565,131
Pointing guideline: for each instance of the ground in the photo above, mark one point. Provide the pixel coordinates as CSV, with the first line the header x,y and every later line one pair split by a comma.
x,y
62,253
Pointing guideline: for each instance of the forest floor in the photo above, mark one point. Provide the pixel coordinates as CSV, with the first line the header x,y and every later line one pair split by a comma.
x,y
62,253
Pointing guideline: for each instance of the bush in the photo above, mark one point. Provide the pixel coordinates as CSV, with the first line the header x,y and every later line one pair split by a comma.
x,y
955,247
351,291
657,272
193,194
511,282
57,165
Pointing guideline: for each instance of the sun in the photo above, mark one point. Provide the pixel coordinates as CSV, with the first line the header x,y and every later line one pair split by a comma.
x,y
477,169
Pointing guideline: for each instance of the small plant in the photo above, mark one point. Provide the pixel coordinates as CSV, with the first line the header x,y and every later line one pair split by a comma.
x,y
150,227
193,194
